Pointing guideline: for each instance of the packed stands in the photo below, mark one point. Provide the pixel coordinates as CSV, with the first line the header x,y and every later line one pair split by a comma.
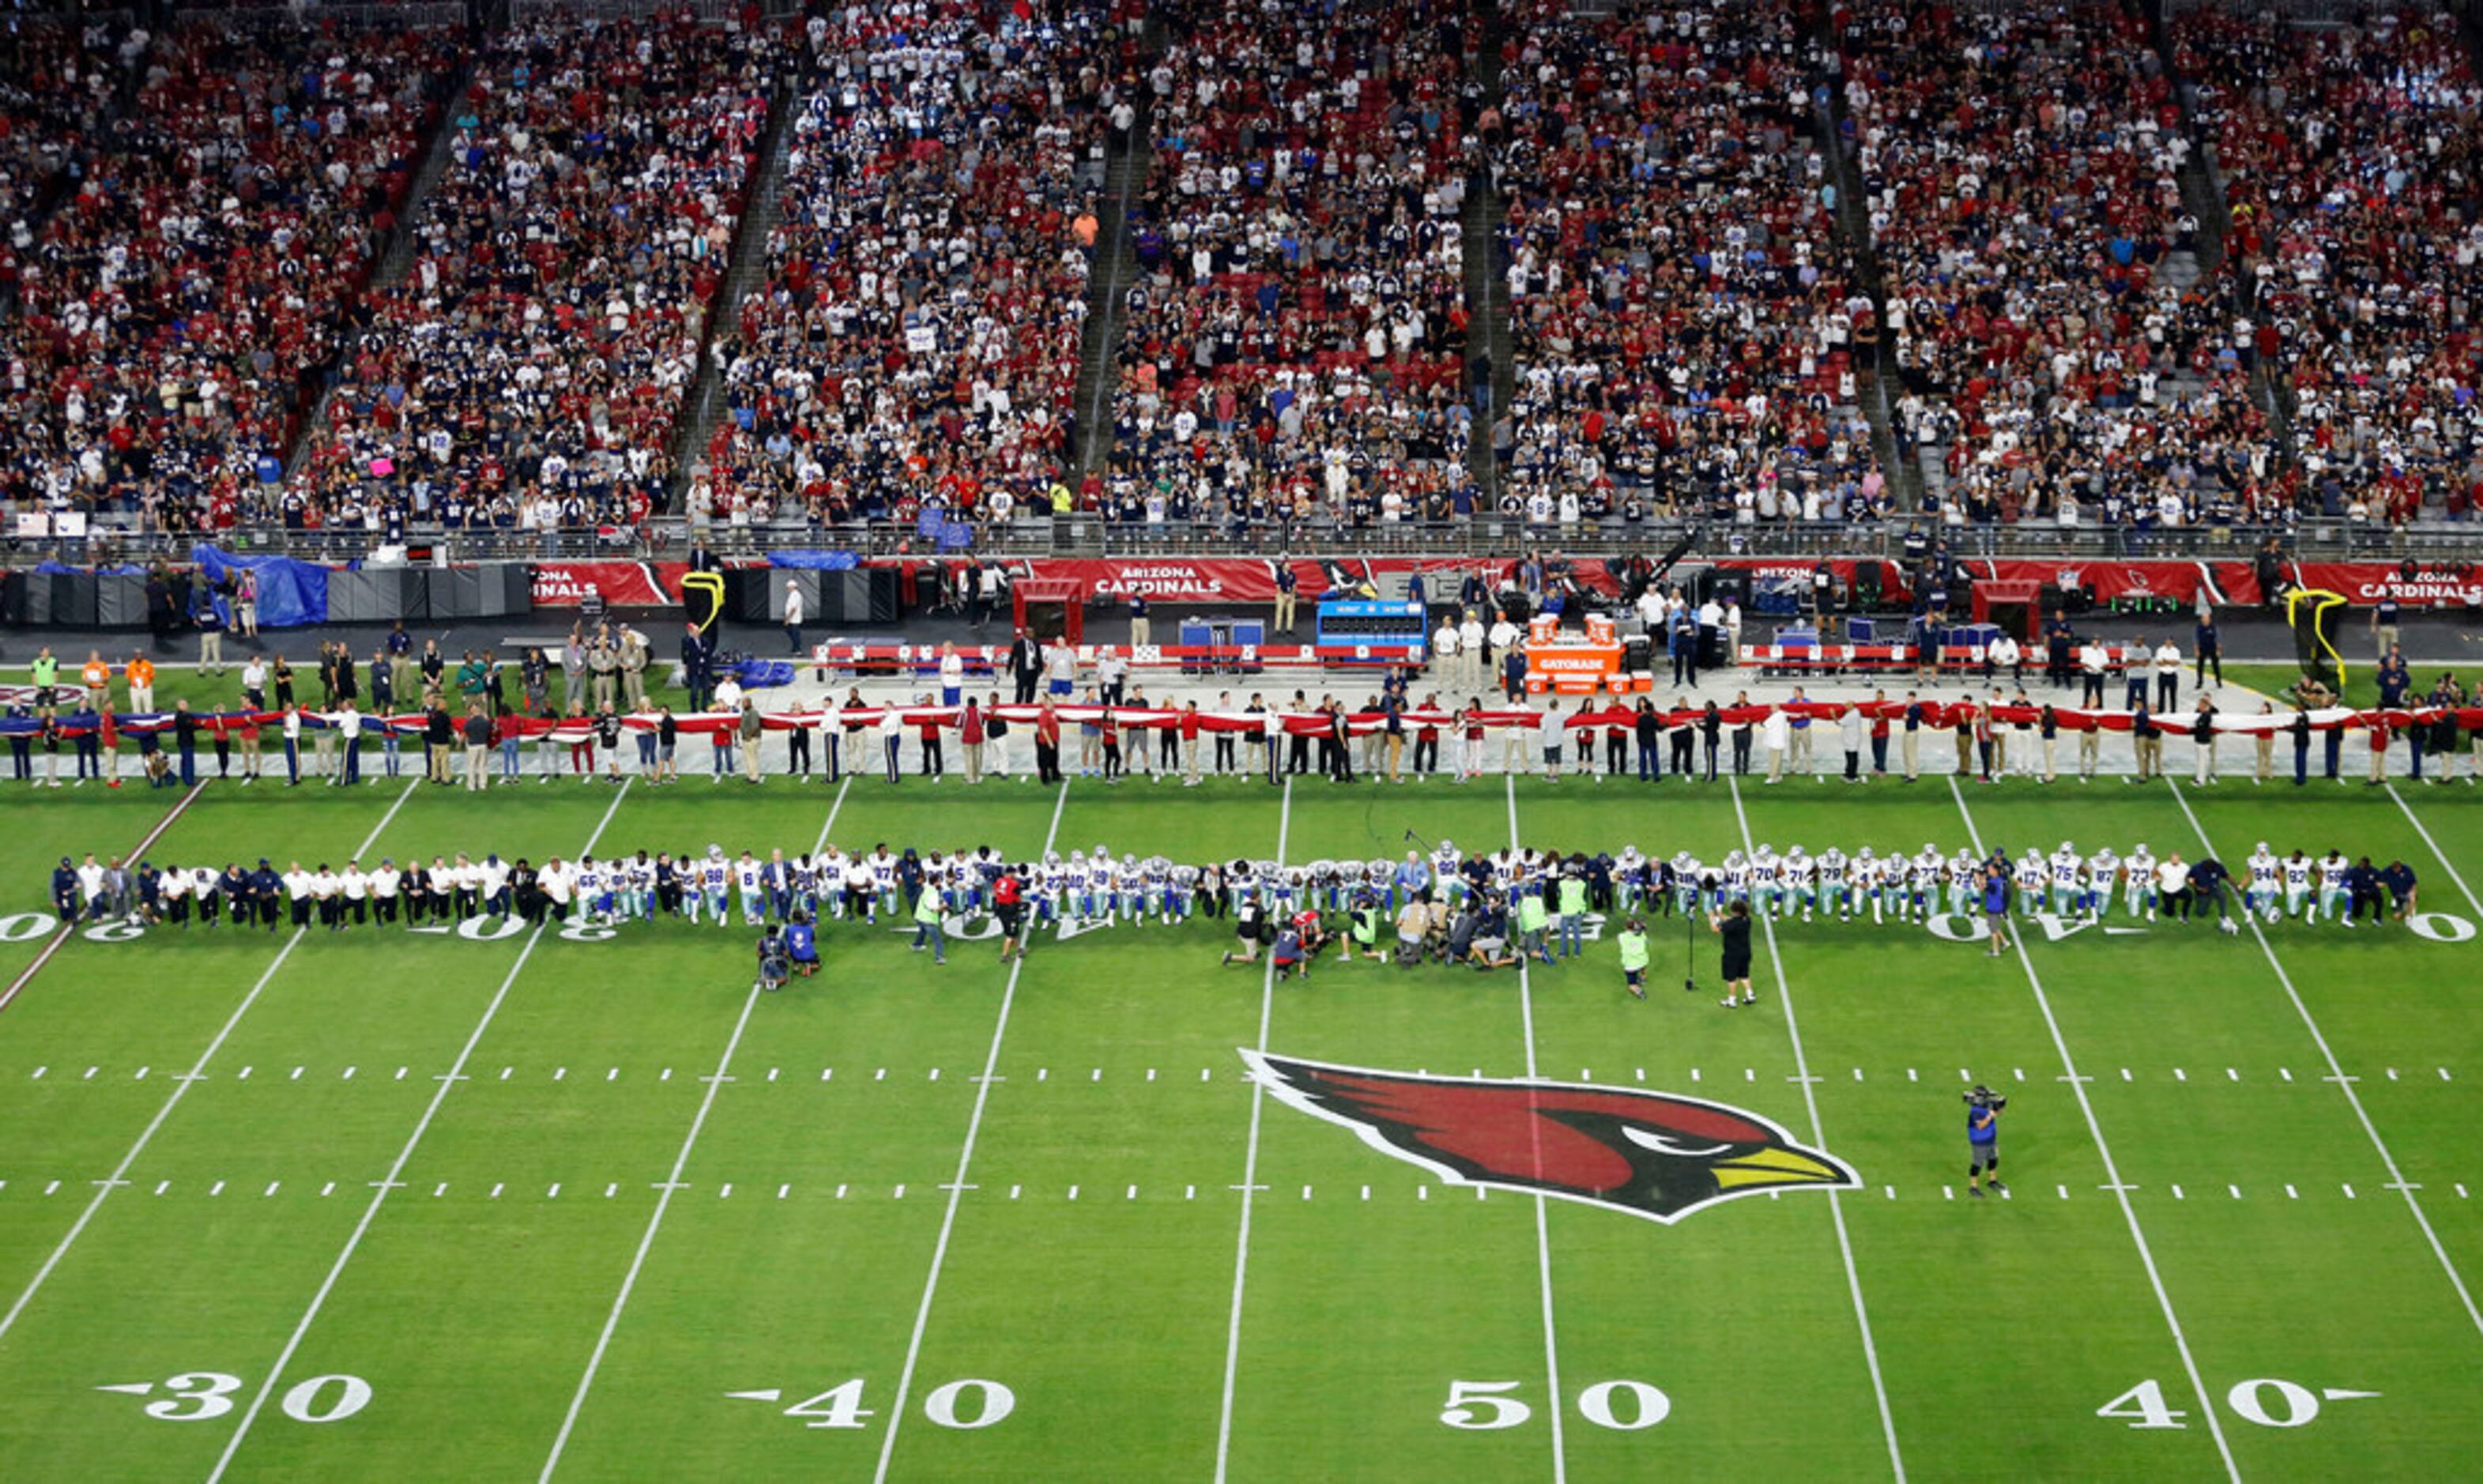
x,y
528,370
1686,319
2022,173
2349,156
174,303
1295,340
918,336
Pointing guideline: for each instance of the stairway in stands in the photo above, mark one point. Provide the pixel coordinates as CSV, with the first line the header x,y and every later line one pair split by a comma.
x,y
1876,392
746,275
1480,238
1115,266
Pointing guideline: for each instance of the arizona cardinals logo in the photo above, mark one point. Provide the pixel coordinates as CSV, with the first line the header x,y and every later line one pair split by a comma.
x,y
1651,1154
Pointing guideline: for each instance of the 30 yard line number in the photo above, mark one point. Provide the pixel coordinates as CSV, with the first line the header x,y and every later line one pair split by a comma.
x,y
1487,1406
197,1395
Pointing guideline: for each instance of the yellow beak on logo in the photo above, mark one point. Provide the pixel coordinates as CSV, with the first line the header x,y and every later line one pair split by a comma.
x,y
1777,1167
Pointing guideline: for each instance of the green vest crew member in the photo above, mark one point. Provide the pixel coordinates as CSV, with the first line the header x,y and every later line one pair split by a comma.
x,y
931,926
1634,957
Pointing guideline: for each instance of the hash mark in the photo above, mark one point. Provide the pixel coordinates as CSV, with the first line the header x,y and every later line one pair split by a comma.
x,y
2285,1072
2392,1073
1642,1074
1749,1073
901,1194
39,1071
559,1073
216,1189
552,1194
1366,1192
1190,1192
771,1072
327,1189
2177,1194
496,1188
1042,1074
2232,1075
2179,1075
162,1187
1890,1190
667,1076
1421,1192
348,1076
1586,1075
2074,1077
52,1188
245,1073
2292,1194
612,1190
1073,1192
1013,1190
1133,1193
1098,1076
401,1071
826,1073
297,1074
1949,1191
2461,1192
440,1190
935,1073
2236,1191
723,1192
1206,1073
2349,1193
2063,1190
782,1191
1150,1074
141,1076
507,1072
2124,1074
270,1189
2334,1078
840,1192
1693,1074
1911,1076
1857,1073
2021,1073
2402,1185
92,1071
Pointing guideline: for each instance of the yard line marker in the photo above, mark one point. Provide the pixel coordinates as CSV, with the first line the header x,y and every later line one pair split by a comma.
x,y
782,1191
141,1074
2349,1192
1542,1218
1949,1191
840,1192
379,1198
1366,1192
935,1075
673,1182
439,1189
2285,1072
2177,1194
2233,1073
1911,1076
400,1074
771,1072
349,1075
2292,1194
1133,1193
2344,1083
1421,1192
2392,1073
1073,1192
2236,1191
296,1078
1819,1139
553,1194
92,1071
327,1189
1150,1074
180,1084
2063,1190
1190,1192
270,1187
1249,1176
27,975
162,1187
723,1192
965,1162
2112,1172
2179,1075
612,1190
2420,828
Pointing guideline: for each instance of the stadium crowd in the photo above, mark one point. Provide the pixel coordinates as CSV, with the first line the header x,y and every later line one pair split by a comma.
x,y
178,297
1295,343
528,371
2350,159
2021,168
918,337
1689,335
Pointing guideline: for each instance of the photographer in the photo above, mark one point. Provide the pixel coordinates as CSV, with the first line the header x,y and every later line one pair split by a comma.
x,y
1982,1108
1734,927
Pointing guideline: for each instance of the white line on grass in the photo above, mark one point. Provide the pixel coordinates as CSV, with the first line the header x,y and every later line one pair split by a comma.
x,y
66,928
2419,827
2111,1171
672,1185
1819,1140
1249,1178
379,1197
2345,1084
180,1085
1542,1222
957,1186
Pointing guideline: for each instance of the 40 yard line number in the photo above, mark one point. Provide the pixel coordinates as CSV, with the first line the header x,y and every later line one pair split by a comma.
x,y
965,1405
2265,1401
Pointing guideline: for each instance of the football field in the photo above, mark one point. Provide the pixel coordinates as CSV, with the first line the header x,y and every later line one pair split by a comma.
x,y
504,1201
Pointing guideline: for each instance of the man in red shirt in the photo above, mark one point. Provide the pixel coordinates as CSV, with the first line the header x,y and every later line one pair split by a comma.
x,y
1189,728
1047,745
970,739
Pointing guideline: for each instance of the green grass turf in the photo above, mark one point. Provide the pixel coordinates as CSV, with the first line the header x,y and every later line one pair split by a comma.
x,y
473,1300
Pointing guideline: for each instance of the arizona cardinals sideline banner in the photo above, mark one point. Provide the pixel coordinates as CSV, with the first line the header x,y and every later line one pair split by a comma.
x,y
622,584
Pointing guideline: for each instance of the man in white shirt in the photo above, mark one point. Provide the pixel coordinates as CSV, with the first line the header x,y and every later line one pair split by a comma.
x,y
1470,651
387,883
1448,663
793,616
2093,661
2168,677
297,892
349,733
1774,731
357,892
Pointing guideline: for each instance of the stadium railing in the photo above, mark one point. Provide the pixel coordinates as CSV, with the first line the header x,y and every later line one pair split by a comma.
x,y
1084,535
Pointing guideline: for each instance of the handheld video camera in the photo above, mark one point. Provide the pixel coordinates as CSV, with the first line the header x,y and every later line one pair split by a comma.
x,y
1981,1096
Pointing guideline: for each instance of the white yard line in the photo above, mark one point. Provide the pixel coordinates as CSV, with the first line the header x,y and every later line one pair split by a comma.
x,y
957,1185
2336,1074
1542,1222
1819,1140
180,1085
1249,1178
455,1074
2207,1402
2411,818
68,928
672,1185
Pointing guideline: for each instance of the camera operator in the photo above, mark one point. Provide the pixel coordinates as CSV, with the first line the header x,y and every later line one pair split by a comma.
x,y
1982,1108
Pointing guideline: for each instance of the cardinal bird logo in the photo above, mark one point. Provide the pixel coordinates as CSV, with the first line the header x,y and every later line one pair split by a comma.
x,y
1652,1155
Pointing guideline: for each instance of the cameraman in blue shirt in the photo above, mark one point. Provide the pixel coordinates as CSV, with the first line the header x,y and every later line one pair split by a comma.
x,y
1982,1108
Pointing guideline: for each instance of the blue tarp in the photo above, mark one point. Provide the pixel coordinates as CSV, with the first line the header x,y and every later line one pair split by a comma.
x,y
815,561
761,674
290,594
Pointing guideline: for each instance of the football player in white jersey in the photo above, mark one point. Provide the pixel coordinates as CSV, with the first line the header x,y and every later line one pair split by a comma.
x,y
2266,872
2103,875
2066,868
1964,879
1924,881
2030,875
714,873
2300,874
2334,899
2139,897
1689,882
1735,886
1837,884
1767,880
1798,880
750,881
